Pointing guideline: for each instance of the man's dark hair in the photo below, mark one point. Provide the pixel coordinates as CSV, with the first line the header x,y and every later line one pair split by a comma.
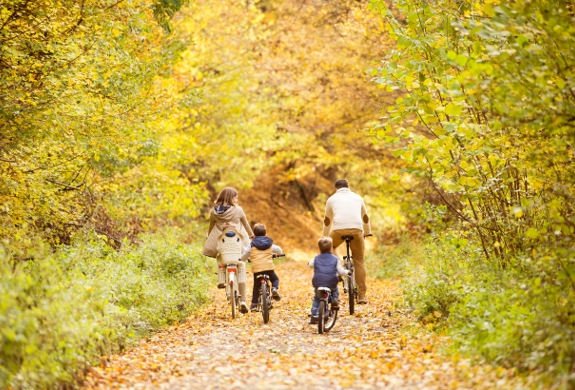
x,y
260,229
341,183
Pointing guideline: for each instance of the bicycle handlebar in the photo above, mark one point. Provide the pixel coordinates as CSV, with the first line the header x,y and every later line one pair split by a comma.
x,y
273,257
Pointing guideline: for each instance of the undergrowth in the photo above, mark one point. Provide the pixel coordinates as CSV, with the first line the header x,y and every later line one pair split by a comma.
x,y
61,311
516,316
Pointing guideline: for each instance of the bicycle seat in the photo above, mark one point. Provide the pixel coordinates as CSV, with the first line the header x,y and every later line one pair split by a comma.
x,y
324,289
347,238
262,276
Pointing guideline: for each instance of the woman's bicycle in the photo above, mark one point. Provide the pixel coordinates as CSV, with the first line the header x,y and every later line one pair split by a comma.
x,y
327,311
265,303
350,285
232,291
229,252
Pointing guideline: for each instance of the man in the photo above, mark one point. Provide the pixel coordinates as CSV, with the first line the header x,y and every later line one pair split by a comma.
x,y
346,215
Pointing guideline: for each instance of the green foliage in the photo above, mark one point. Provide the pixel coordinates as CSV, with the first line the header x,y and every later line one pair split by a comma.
x,y
164,10
510,319
486,117
436,278
485,113
60,312
518,317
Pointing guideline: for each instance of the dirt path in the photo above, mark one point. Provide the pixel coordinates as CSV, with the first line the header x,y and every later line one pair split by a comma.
x,y
365,351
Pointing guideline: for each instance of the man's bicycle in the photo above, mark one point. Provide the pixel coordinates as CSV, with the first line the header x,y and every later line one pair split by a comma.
x,y
265,303
350,284
327,311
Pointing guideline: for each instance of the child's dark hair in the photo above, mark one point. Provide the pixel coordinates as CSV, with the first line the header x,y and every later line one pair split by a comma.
x,y
260,229
325,244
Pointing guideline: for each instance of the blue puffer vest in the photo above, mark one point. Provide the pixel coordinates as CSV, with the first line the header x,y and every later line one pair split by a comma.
x,y
325,270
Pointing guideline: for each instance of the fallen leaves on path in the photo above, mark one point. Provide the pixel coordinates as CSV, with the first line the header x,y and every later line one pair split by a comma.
x,y
368,350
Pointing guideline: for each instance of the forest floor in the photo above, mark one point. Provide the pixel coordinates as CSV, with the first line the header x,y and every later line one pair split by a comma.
x,y
375,348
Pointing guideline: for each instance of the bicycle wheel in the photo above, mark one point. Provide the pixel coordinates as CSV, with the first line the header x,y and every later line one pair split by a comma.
x,y
237,295
331,317
351,288
351,293
321,317
264,294
233,301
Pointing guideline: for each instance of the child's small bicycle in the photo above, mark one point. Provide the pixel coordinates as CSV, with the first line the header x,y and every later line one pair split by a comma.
x,y
265,298
327,312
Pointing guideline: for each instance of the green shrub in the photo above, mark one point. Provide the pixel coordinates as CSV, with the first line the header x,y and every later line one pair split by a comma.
x,y
518,319
519,315
61,311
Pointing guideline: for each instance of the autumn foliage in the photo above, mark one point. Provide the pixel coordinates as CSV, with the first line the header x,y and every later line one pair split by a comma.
x,y
486,117
120,120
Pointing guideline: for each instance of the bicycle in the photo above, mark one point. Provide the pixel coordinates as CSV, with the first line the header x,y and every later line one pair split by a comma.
x,y
230,251
350,287
327,311
232,291
265,303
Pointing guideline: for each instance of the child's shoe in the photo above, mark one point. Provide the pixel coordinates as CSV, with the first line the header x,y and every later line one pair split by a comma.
x,y
334,304
254,307
243,307
276,294
313,320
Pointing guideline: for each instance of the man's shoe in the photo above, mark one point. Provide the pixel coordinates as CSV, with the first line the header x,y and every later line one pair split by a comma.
x,y
313,320
221,285
243,307
362,301
276,294
334,304
254,307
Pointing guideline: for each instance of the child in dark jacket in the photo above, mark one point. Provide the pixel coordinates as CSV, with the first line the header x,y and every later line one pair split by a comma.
x,y
326,268
261,253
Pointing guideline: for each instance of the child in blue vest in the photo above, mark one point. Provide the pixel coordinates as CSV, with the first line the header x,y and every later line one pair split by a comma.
x,y
326,268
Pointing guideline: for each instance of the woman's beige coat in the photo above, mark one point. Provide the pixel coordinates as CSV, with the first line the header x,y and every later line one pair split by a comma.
x,y
234,216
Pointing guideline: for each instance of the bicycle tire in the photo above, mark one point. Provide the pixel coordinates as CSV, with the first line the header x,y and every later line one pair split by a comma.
x,y
233,301
330,319
237,295
351,293
264,294
350,279
321,317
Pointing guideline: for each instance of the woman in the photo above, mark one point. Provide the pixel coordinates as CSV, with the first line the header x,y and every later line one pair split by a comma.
x,y
227,213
